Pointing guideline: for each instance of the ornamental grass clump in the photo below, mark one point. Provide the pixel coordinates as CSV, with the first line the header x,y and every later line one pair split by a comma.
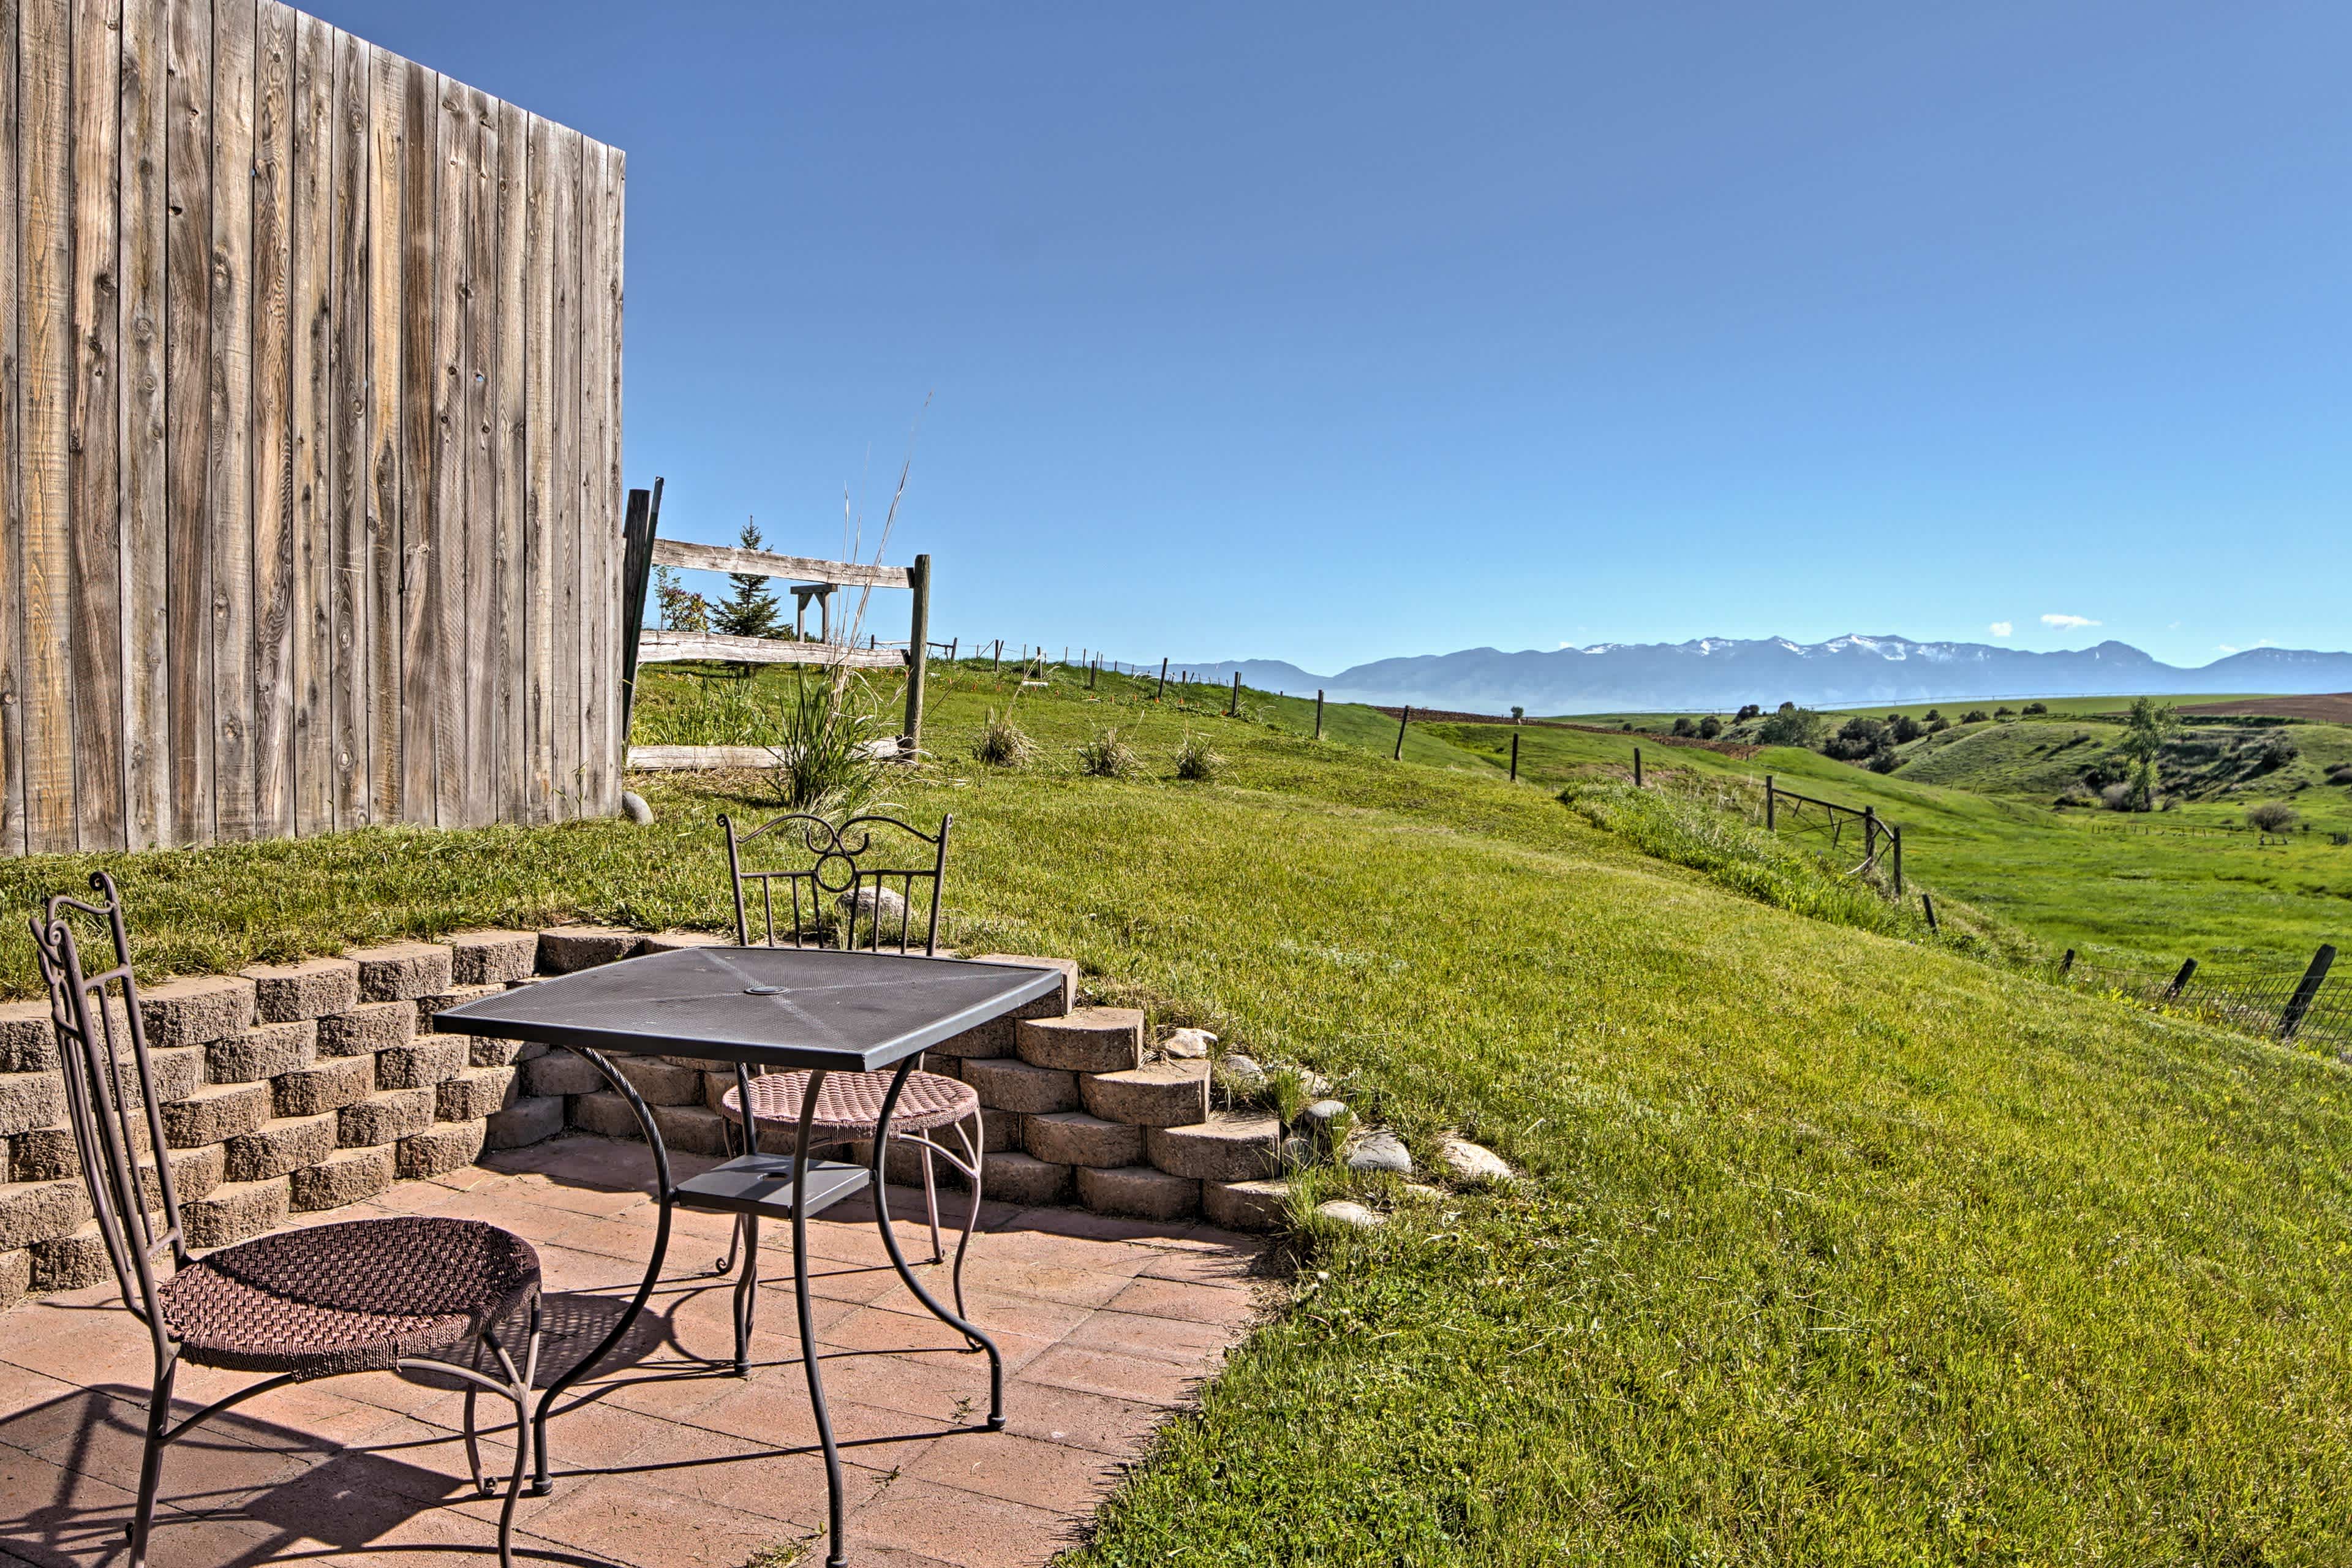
x,y
1001,744
1107,756
1196,761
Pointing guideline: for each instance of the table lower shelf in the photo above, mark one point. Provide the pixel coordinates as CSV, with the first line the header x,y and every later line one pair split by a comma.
x,y
763,1184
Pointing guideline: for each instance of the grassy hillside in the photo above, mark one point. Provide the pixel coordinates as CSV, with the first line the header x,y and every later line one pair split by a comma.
x,y
1975,807
1835,1248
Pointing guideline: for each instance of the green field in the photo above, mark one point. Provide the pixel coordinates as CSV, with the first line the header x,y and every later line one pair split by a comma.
x,y
1975,806
1835,1248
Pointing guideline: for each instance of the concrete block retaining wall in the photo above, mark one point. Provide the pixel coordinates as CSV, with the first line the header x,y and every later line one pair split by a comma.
x,y
289,1089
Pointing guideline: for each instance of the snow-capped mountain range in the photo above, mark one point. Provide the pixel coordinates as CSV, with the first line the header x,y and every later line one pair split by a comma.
x,y
1713,673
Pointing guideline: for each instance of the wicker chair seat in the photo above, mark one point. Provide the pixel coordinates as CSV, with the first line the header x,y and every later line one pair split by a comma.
x,y
357,1296
849,1104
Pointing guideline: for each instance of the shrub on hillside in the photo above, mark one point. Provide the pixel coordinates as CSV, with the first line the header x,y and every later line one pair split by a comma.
x,y
2341,774
1107,756
1791,726
1938,724
1197,762
1857,739
2004,712
2275,752
1905,729
2032,708
1975,716
2116,796
1683,726
1709,728
2271,816
1750,711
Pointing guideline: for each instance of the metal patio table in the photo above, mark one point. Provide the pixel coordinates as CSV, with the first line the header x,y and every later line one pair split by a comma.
x,y
813,1008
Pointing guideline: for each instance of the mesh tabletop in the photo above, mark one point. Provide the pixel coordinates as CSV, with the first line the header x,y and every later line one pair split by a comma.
x,y
783,1006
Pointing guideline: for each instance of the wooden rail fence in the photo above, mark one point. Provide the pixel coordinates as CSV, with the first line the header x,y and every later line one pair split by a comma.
x,y
311,419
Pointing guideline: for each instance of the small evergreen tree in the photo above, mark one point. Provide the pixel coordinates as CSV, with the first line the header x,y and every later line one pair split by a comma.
x,y
749,608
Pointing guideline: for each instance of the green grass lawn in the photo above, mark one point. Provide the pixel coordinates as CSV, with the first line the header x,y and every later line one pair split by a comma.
x,y
1978,825
1834,1248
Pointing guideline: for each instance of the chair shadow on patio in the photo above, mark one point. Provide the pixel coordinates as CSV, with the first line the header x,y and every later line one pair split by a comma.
x,y
661,1457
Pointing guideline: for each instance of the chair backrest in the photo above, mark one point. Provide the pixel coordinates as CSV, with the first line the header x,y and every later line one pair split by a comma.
x,y
98,1026
841,868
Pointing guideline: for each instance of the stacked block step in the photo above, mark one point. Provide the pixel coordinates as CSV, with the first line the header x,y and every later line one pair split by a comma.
x,y
285,1088
292,1088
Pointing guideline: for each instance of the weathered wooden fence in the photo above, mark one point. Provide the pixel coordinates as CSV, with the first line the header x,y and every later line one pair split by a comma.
x,y
311,419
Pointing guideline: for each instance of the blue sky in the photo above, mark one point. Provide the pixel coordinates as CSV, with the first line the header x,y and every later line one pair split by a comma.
x,y
1333,332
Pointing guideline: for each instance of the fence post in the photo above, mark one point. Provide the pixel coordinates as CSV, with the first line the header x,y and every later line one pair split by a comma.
x,y
1318,712
919,656
1233,710
1771,807
1896,834
2066,964
637,528
2180,981
2305,993
996,658
1156,696
1092,669
1870,837
1637,767
1929,904
1515,756
1403,715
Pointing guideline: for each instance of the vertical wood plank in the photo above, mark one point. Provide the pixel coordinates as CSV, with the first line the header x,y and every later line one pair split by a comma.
x,y
616,496
563,543
146,593
12,458
46,377
93,456
478,676
538,499
387,427
418,568
595,600
187,417
310,403
272,401
229,523
349,394
452,196
513,460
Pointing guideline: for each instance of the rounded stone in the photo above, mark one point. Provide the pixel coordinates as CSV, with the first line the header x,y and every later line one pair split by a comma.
x,y
1379,1150
1345,1211
1472,1162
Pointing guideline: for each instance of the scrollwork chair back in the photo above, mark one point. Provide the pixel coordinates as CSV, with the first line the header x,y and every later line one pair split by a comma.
x,y
840,871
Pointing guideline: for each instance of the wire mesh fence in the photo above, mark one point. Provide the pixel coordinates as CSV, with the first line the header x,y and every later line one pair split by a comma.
x,y
2308,1004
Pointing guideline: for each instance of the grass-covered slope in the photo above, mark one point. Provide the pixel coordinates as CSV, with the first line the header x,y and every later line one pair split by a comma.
x,y
1835,1248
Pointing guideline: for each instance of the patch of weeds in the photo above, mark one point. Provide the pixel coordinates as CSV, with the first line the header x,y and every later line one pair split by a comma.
x,y
1105,756
1197,762
1001,744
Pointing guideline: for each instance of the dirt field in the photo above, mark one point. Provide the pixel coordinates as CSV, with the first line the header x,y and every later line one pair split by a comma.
x,y
2334,708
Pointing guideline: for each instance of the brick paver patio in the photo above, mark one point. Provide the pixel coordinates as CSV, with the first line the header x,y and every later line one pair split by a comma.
x,y
1107,1326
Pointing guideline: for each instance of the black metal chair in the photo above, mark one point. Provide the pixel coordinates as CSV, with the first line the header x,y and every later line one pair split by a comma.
x,y
372,1295
832,898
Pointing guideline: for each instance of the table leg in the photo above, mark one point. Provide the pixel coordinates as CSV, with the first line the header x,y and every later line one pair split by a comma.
x,y
664,1197
836,1550
898,1260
